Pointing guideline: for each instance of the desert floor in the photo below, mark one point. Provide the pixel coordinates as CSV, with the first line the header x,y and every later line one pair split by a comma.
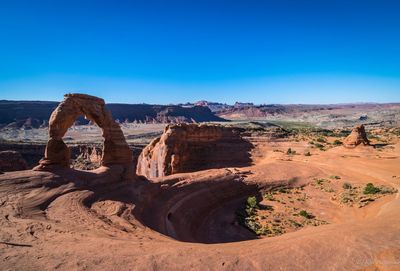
x,y
76,220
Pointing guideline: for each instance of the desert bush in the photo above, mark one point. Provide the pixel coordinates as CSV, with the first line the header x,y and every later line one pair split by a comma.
x,y
335,177
251,206
295,223
290,151
321,140
307,154
319,146
269,197
371,189
346,186
263,231
320,181
253,225
305,214
346,198
337,142
387,190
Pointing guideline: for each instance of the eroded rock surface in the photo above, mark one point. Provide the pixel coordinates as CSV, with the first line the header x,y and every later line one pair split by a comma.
x,y
192,147
12,161
57,154
358,136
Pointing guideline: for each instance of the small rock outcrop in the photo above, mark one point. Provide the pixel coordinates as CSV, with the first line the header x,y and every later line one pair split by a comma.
x,y
358,136
12,161
89,157
91,153
192,147
57,154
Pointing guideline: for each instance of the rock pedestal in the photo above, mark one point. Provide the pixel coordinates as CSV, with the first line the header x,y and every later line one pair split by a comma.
x,y
358,136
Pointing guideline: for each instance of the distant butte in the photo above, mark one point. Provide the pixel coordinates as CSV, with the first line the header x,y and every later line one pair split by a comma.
x,y
358,136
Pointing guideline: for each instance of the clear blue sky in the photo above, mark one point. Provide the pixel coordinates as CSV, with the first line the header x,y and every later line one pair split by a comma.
x,y
266,51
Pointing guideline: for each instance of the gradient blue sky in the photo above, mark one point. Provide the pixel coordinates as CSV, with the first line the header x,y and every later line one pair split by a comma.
x,y
321,51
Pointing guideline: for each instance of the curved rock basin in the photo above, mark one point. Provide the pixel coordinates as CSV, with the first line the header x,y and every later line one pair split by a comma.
x,y
199,211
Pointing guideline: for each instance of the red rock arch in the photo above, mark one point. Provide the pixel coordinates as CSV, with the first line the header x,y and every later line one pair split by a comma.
x,y
115,148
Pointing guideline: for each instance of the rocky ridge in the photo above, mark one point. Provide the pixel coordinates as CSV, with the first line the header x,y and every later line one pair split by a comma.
x,y
192,147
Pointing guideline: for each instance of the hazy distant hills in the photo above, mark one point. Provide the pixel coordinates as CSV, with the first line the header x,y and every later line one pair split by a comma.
x,y
34,114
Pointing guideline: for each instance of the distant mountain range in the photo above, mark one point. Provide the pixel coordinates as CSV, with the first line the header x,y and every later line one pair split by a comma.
x,y
34,114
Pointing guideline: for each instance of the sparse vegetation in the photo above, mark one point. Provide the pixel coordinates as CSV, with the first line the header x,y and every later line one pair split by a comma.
x,y
269,197
362,196
337,142
320,181
251,206
335,177
319,146
281,216
321,140
371,189
290,152
346,186
307,154
305,214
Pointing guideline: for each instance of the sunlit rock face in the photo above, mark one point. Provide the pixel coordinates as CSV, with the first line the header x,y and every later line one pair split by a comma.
x,y
358,136
192,147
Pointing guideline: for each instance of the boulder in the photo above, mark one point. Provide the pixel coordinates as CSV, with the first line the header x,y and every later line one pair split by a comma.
x,y
57,154
192,147
358,136
12,161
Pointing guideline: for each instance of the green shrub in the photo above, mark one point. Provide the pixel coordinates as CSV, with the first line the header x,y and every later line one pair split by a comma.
x,y
319,146
337,142
304,213
335,177
253,225
251,206
371,189
321,140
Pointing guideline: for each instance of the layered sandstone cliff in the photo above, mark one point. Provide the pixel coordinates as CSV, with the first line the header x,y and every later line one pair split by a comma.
x,y
192,147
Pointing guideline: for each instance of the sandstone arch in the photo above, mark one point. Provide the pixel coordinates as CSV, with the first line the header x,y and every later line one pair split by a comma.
x,y
115,148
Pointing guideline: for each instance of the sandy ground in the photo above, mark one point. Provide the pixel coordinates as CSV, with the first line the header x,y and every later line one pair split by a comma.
x,y
75,220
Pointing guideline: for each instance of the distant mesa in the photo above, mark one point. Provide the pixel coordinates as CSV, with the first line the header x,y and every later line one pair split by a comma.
x,y
26,115
358,136
193,147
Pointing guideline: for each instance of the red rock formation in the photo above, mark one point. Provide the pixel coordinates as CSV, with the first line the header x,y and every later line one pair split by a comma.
x,y
357,137
57,154
12,161
92,154
192,147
